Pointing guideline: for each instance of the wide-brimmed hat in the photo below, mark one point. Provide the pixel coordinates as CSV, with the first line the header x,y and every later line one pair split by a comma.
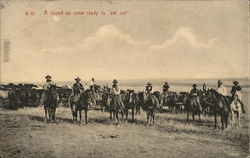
x,y
149,83
77,79
115,81
235,82
194,85
219,82
48,77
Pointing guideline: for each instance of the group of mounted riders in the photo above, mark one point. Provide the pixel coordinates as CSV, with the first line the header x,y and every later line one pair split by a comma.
x,y
117,101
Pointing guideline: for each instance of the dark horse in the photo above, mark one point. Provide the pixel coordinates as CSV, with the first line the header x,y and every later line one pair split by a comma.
x,y
130,100
193,106
218,105
51,103
80,102
169,99
150,104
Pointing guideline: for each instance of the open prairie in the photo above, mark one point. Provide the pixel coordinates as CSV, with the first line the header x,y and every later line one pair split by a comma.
x,y
23,133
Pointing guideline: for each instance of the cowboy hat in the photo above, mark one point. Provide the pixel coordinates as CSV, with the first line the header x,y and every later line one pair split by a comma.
x,y
194,85
48,76
115,81
149,83
219,81
235,82
77,79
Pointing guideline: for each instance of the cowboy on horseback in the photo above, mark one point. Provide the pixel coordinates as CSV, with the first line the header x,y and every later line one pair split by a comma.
x,y
194,95
223,92
165,87
77,89
92,84
237,90
116,92
46,88
149,89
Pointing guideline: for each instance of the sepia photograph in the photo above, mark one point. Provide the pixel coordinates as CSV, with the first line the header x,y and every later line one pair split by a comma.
x,y
124,79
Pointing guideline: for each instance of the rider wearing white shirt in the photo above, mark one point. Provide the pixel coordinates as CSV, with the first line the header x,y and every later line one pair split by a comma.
x,y
223,92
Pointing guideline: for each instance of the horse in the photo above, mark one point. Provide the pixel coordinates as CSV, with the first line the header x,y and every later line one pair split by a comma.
x,y
106,100
169,99
219,105
117,106
182,100
236,110
80,102
193,106
150,104
51,103
130,101
107,103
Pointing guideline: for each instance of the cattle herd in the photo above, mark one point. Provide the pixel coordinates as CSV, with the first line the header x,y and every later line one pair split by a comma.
x,y
18,96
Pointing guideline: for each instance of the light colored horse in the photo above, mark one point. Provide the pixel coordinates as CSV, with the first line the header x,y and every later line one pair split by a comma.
x,y
236,110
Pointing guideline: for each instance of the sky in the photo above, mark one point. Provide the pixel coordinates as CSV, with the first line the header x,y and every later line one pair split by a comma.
x,y
155,39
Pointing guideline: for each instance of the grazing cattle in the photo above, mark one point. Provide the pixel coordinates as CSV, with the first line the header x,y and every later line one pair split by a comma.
x,y
236,110
51,103
80,102
218,105
150,104
13,96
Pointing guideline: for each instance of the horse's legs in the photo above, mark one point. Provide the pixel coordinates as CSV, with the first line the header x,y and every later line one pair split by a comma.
x,y
222,121
153,117
49,110
126,113
215,120
76,116
80,116
193,117
117,118
199,117
147,117
54,115
226,119
187,115
73,115
86,116
133,113
110,115
46,116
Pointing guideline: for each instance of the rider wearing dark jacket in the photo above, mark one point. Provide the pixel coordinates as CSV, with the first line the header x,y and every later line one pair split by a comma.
x,y
236,89
165,87
77,87
149,87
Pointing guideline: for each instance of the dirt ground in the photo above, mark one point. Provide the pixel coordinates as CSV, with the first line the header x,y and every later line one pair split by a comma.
x,y
23,133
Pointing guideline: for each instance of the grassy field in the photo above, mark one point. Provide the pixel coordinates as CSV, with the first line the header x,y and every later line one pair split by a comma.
x,y
23,133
